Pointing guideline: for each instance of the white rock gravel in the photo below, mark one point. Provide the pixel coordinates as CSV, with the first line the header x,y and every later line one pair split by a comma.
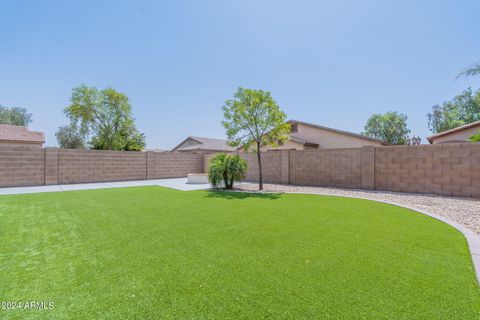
x,y
464,211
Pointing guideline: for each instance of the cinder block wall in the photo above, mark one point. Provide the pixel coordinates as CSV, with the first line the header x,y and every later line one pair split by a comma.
x,y
329,167
33,166
271,163
445,169
78,166
175,164
21,166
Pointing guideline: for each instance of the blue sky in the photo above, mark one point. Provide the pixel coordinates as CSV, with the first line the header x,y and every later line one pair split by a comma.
x,y
333,63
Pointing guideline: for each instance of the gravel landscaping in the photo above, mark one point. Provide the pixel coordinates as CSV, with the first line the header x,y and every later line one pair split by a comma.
x,y
464,211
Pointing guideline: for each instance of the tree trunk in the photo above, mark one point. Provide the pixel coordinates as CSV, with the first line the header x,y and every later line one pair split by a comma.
x,y
225,181
260,175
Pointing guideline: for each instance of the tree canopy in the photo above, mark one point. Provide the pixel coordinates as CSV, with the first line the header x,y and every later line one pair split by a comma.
x,y
462,109
70,137
472,71
105,116
254,119
390,127
15,116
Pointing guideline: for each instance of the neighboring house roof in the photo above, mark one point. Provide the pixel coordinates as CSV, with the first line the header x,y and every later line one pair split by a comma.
x,y
209,144
339,131
461,128
304,142
21,134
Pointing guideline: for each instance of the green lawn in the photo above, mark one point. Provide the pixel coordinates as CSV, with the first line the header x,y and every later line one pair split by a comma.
x,y
151,252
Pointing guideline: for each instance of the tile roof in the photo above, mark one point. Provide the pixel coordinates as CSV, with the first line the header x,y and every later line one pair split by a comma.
x,y
205,144
19,133
303,141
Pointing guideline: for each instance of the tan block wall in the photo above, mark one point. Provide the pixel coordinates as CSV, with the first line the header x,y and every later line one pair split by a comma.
x,y
176,164
33,166
22,166
271,163
328,167
78,166
206,161
445,169
51,166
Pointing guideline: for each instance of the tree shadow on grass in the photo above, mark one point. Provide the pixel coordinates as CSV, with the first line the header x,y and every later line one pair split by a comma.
x,y
235,195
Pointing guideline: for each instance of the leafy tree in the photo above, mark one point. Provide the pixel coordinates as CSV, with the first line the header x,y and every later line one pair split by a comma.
x,y
226,169
106,117
70,137
475,137
390,127
473,70
252,120
462,109
15,116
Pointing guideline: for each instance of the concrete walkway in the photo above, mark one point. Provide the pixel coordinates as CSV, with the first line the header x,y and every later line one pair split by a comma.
x,y
178,184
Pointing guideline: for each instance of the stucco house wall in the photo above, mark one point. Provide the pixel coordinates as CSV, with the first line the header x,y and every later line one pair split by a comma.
x,y
329,139
459,136
306,136
288,145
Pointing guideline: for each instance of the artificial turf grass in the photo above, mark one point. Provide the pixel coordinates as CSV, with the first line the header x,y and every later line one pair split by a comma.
x,y
151,252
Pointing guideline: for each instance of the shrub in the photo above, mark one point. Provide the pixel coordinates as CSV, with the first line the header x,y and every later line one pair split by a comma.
x,y
476,137
226,169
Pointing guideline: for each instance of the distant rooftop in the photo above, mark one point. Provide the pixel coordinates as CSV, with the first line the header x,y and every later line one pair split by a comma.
x,y
20,134
360,136
209,144
461,128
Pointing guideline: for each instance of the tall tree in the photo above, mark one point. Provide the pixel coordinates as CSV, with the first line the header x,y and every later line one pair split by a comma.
x,y
70,137
252,120
390,127
15,116
473,70
462,109
106,117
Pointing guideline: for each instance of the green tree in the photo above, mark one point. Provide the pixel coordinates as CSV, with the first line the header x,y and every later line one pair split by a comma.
x,y
462,109
15,116
252,120
70,137
473,70
226,169
390,127
106,117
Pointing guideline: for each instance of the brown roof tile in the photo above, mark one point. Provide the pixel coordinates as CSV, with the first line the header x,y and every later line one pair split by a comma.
x,y
205,144
19,133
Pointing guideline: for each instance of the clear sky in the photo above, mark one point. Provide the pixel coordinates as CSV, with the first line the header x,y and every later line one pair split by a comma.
x,y
333,63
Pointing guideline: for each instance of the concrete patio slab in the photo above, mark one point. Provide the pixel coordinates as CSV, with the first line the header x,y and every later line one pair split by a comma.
x,y
177,183
21,190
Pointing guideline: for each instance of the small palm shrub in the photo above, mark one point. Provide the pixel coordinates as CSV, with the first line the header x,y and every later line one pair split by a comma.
x,y
225,169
